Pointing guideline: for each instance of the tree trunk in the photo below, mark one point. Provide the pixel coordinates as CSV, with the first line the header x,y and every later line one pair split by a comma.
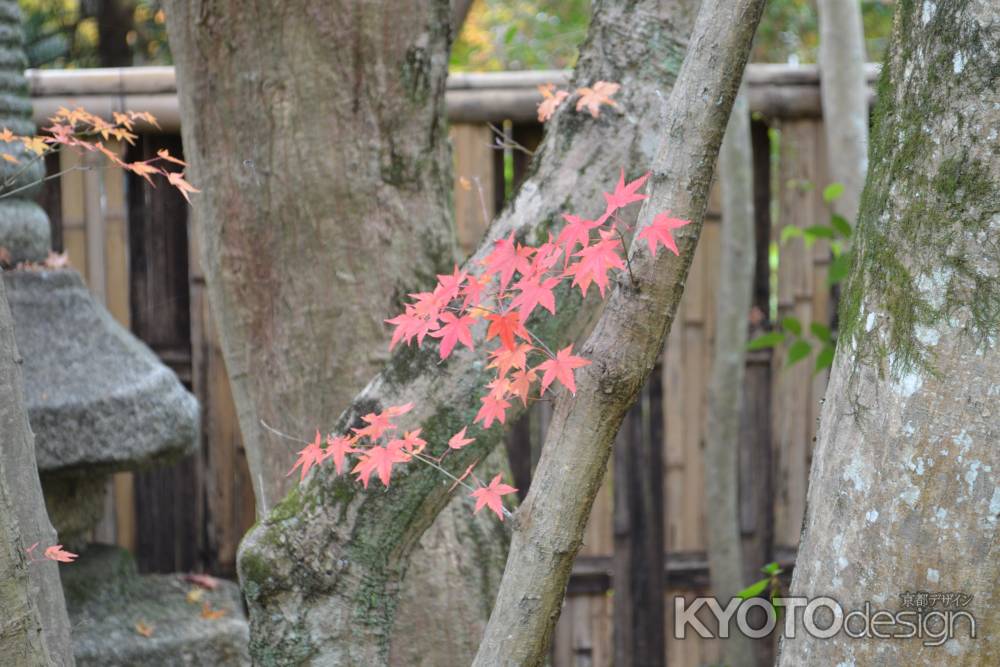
x,y
318,137
904,494
115,20
844,89
17,443
321,573
624,346
725,389
22,640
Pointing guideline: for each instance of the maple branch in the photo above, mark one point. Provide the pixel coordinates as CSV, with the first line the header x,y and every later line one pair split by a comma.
x,y
280,434
11,193
482,201
503,140
628,262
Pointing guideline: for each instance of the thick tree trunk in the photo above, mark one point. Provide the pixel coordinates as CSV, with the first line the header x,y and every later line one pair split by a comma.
x,y
321,572
623,347
17,444
725,388
316,132
845,99
22,640
904,494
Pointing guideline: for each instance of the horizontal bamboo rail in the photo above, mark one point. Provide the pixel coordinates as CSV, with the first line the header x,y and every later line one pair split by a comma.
x,y
788,91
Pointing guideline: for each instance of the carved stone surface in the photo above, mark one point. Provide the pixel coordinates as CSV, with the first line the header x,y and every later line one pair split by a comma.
x,y
107,619
98,399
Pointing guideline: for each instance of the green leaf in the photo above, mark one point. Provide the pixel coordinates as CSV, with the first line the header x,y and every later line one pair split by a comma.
x,y
790,232
508,36
767,340
772,569
820,232
753,590
825,358
792,324
839,268
798,351
821,331
841,224
832,192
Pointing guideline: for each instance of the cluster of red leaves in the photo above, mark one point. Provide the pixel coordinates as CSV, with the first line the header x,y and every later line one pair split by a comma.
x,y
83,131
514,281
589,98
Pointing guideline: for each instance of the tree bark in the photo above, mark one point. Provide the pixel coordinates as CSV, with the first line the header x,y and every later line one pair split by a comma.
x,y
624,346
23,592
903,493
844,92
317,135
322,571
725,389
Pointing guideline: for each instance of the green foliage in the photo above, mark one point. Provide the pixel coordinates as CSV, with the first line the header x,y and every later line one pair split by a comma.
x,y
64,33
770,583
528,34
789,31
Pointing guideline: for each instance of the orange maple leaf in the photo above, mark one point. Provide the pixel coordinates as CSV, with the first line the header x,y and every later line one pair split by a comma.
x,y
176,179
143,629
591,98
552,99
211,614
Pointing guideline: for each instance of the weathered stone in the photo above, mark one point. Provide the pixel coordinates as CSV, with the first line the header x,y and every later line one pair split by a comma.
x,y
98,399
24,230
109,603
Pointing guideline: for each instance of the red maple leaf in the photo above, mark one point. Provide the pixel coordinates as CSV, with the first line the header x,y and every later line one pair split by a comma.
x,y
411,442
624,194
490,496
459,440
379,459
410,324
338,447
492,408
378,423
449,286
454,330
508,257
309,456
57,553
577,232
506,326
595,261
561,368
659,230
534,292
396,410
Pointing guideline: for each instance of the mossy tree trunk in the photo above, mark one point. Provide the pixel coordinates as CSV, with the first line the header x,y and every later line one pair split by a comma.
x,y
904,493
322,571
22,641
316,133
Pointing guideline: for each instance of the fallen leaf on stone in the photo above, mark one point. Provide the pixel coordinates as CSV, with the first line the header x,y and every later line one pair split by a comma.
x,y
143,629
211,614
203,580
194,595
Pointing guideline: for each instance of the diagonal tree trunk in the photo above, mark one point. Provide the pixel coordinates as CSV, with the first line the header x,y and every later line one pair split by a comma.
x,y
624,345
321,572
23,597
725,389
904,493
316,132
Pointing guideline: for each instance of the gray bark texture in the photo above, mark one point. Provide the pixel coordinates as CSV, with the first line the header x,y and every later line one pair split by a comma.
x,y
316,132
725,388
624,345
845,99
904,493
322,571
23,591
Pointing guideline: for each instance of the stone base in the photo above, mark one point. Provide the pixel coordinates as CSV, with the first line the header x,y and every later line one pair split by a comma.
x,y
107,599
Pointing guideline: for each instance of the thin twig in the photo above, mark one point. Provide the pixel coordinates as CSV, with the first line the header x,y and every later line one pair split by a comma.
x,y
509,142
11,193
